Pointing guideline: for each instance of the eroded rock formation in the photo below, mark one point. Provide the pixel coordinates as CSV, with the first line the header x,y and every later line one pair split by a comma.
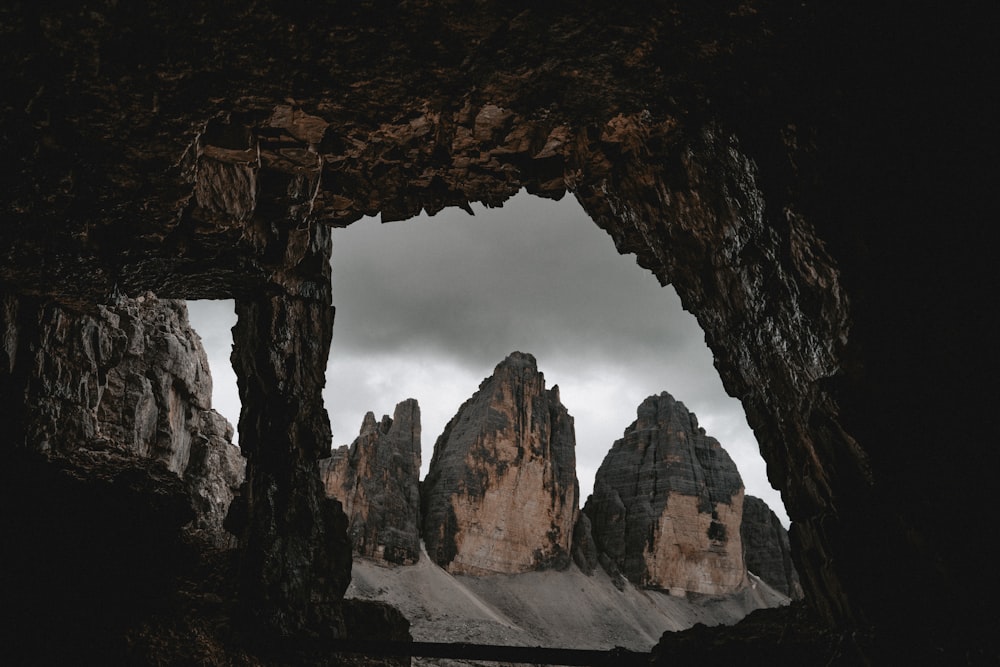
x,y
130,377
376,480
667,505
501,494
770,159
295,554
766,549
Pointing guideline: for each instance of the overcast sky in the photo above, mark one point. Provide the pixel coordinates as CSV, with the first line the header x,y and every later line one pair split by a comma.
x,y
426,308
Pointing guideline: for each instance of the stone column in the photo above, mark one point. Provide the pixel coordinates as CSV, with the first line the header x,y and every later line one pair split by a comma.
x,y
296,558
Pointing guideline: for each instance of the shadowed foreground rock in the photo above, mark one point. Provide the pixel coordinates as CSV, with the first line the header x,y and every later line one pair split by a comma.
x,y
377,482
129,378
295,554
789,636
69,568
809,176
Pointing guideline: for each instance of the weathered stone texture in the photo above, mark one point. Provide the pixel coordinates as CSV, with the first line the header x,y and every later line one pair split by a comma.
x,y
667,505
129,376
584,550
501,494
766,549
376,480
295,555
772,160
295,552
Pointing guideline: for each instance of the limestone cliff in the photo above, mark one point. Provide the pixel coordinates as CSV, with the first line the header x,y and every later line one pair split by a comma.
x,y
130,377
376,480
501,494
766,549
772,160
667,505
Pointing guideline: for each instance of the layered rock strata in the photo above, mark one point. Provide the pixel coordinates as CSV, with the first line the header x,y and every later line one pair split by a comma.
x,y
131,376
501,494
376,480
667,505
766,549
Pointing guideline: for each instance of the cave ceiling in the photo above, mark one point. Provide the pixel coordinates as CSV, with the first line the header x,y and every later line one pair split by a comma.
x,y
810,177
150,141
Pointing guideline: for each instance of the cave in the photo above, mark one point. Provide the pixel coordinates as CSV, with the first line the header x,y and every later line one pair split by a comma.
x,y
812,180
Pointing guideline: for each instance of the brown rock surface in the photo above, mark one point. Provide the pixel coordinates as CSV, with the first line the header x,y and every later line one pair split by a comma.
x,y
667,505
131,377
778,162
376,480
501,494
766,549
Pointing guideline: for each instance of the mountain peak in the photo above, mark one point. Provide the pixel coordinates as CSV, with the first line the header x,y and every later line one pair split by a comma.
x,y
501,494
667,504
376,481
517,360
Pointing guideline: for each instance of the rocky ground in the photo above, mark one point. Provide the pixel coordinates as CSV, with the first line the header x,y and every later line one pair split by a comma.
x,y
121,575
559,609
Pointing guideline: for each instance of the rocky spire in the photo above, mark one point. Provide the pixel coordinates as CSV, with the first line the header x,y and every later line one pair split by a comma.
x,y
667,505
766,548
501,495
376,480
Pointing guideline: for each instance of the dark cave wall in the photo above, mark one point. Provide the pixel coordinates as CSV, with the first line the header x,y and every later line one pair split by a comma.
x,y
811,178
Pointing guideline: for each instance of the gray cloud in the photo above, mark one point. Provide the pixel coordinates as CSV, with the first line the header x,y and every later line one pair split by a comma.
x,y
427,307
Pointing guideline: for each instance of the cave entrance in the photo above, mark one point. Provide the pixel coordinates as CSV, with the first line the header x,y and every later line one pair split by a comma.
x,y
427,307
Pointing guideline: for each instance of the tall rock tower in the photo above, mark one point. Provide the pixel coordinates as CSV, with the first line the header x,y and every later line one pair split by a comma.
x,y
501,495
667,505
376,480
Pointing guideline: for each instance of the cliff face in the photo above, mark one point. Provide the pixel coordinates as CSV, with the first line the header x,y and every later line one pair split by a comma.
x,y
667,505
376,480
132,378
771,160
501,494
766,549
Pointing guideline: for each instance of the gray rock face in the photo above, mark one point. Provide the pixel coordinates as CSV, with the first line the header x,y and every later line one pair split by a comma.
x,y
667,505
766,549
131,377
377,482
501,494
584,550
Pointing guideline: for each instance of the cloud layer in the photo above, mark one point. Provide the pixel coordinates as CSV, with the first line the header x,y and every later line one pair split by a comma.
x,y
427,307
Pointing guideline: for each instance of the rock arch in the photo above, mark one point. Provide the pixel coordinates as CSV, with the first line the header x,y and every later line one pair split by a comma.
x,y
758,156
692,213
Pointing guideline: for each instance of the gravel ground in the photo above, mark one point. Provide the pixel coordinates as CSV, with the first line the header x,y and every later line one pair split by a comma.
x,y
553,609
